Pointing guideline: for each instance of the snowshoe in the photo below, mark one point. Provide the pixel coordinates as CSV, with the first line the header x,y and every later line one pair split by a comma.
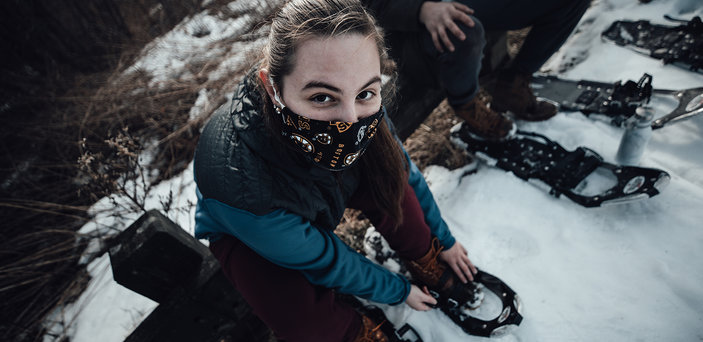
x,y
465,315
679,45
617,102
581,175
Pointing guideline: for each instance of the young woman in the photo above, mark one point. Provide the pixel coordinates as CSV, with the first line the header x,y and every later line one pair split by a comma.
x,y
304,138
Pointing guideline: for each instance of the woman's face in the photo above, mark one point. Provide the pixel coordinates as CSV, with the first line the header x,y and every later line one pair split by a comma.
x,y
334,79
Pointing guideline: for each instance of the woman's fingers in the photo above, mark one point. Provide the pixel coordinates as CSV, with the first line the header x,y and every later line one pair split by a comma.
x,y
435,41
462,14
458,259
420,299
463,8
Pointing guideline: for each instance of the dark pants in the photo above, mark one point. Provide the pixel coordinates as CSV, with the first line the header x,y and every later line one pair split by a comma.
x,y
552,22
289,304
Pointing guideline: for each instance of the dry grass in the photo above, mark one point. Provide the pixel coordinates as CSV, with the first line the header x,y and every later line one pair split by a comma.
x,y
85,142
430,145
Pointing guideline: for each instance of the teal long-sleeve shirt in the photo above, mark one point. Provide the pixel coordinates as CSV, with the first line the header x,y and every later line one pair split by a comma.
x,y
286,239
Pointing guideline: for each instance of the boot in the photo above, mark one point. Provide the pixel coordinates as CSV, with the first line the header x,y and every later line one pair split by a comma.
x,y
440,278
485,122
375,327
370,331
512,93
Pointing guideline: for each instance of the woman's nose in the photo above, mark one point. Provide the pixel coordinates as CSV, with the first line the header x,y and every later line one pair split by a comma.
x,y
349,113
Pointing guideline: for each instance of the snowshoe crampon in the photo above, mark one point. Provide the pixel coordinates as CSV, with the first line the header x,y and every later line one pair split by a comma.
x,y
581,175
464,316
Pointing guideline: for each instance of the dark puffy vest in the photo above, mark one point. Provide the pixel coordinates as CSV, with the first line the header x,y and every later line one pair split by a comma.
x,y
238,161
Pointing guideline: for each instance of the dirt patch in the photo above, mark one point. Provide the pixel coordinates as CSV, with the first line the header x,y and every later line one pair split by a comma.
x,y
430,144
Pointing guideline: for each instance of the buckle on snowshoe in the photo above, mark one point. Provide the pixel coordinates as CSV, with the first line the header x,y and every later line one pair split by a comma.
x,y
434,294
405,329
377,315
626,97
509,318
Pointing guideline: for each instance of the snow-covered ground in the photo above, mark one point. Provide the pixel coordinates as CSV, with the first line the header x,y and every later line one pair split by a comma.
x,y
632,272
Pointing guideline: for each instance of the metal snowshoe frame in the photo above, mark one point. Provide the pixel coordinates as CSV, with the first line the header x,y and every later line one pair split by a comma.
x,y
509,317
532,156
690,105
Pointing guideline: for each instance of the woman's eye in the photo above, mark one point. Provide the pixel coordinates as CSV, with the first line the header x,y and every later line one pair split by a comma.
x,y
365,95
321,98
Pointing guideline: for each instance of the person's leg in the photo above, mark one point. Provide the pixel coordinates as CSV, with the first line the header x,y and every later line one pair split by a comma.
x,y
288,303
458,73
551,23
551,20
549,31
458,70
414,244
411,239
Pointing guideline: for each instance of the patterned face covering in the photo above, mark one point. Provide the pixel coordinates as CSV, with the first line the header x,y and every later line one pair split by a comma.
x,y
331,145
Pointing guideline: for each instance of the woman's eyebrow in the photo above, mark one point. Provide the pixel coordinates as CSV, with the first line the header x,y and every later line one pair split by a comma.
x,y
320,84
371,81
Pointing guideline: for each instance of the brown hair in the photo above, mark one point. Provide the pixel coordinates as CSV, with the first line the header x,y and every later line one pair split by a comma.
x,y
383,165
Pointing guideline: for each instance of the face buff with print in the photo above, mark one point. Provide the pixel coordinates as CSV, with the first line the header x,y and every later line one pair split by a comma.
x,y
331,145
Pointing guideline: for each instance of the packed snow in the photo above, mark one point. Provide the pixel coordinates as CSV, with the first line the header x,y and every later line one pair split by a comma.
x,y
630,272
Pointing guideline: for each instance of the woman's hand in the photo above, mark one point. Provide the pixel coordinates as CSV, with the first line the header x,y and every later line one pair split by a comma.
x,y
439,17
418,299
458,260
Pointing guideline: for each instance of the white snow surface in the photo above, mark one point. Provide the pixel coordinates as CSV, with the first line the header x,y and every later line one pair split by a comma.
x,y
631,272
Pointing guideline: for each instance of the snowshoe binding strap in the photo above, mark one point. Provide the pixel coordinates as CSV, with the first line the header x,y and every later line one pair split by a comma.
x,y
406,333
458,293
626,97
695,25
509,318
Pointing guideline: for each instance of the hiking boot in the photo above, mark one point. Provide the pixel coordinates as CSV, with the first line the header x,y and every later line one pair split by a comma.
x,y
512,93
370,331
440,278
484,122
